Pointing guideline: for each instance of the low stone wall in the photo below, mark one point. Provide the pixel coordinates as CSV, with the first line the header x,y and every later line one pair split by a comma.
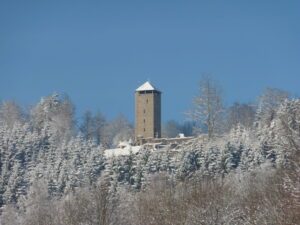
x,y
163,141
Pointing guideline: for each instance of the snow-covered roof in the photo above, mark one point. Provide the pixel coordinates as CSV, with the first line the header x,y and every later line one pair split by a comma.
x,y
147,87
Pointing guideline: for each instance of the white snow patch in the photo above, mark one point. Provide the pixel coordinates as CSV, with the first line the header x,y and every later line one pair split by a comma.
x,y
121,151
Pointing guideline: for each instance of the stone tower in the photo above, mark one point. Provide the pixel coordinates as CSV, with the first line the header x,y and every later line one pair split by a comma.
x,y
147,112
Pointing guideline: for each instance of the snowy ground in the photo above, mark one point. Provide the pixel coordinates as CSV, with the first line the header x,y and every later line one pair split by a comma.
x,y
124,150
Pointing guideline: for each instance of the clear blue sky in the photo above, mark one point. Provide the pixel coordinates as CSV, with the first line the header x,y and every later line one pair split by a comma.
x,y
99,52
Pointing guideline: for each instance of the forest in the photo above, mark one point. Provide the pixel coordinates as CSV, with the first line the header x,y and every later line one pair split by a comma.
x,y
241,167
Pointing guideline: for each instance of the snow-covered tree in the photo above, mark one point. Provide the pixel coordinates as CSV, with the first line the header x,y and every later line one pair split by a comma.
x,y
56,113
268,105
10,113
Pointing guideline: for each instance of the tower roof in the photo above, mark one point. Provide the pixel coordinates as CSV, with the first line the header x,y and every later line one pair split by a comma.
x,y
147,87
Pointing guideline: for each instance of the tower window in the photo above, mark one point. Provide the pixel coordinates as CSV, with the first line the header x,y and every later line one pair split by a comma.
x,y
144,111
144,129
147,100
144,121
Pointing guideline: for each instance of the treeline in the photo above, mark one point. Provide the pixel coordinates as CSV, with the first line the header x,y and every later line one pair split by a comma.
x,y
208,115
242,169
57,114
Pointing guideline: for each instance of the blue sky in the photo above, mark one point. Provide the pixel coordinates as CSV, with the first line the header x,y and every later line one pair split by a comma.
x,y
99,52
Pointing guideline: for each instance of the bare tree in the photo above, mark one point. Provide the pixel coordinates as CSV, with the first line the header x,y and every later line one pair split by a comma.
x,y
86,127
115,131
99,124
243,114
92,126
208,106
171,129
